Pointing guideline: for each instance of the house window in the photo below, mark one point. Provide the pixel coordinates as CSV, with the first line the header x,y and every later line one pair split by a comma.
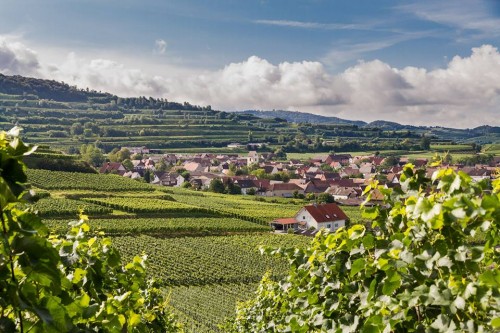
x,y
303,217
328,226
336,225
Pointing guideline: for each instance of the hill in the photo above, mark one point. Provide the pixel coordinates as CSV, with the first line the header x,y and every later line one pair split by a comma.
x,y
302,117
64,117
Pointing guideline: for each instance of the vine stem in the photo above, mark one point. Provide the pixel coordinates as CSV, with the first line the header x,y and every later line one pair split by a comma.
x,y
11,259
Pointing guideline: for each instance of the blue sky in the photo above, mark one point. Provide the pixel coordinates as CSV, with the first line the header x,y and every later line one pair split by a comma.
x,y
257,50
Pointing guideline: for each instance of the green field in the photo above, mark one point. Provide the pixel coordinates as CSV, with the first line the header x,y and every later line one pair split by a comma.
x,y
203,247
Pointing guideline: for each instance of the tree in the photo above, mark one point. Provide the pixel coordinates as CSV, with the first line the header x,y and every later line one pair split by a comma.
x,y
231,188
72,283
216,186
325,198
147,176
162,166
414,270
128,164
425,143
92,155
76,129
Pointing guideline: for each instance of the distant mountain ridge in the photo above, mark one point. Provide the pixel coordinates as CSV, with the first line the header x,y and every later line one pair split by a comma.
x,y
302,117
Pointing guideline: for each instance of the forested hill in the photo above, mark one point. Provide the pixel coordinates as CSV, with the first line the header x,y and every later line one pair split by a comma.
x,y
35,89
302,117
47,89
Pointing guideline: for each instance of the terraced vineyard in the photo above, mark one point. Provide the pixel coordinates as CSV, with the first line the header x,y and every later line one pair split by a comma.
x,y
204,246
59,180
203,308
59,207
210,260
167,227
260,212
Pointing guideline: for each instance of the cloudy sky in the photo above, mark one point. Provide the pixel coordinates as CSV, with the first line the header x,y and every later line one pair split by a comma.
x,y
414,62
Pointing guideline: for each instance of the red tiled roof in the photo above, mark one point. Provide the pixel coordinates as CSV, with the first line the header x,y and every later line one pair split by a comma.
x,y
284,187
289,220
326,212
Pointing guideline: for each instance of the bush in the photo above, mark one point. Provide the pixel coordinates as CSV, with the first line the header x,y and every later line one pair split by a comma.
x,y
414,270
75,283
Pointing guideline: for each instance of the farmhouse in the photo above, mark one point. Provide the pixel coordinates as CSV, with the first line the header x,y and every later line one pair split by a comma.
x,y
328,216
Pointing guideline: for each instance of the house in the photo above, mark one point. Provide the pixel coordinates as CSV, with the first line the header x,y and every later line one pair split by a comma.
x,y
328,216
285,190
137,150
253,157
194,167
165,178
342,193
132,175
316,186
113,167
343,159
139,166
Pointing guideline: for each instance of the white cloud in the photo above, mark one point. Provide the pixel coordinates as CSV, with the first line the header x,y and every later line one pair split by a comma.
x,y
474,21
15,58
314,25
466,93
160,46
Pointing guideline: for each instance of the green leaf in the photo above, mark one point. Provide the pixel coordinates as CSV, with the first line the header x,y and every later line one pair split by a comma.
x,y
357,266
391,282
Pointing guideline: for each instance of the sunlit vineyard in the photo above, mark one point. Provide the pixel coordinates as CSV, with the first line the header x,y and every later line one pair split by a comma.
x,y
203,247
150,205
57,207
203,308
167,227
257,211
209,260
59,180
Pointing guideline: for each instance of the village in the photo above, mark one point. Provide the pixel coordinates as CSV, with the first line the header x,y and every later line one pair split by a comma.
x,y
327,181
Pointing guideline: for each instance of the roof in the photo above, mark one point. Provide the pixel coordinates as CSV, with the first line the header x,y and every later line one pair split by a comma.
x,y
284,187
326,212
289,220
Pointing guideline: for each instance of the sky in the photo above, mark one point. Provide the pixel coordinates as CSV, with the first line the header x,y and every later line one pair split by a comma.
x,y
433,63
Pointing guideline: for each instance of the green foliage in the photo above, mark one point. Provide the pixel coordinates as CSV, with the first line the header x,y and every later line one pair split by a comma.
x,y
216,186
59,180
91,154
168,227
202,309
211,259
414,272
71,284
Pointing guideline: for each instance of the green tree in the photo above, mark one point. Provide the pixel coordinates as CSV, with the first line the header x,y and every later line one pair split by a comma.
x,y
325,198
425,143
73,283
231,188
76,129
92,155
147,176
414,270
216,186
128,164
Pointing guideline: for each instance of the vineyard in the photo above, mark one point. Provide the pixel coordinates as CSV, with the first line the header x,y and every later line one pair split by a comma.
x,y
203,247
237,206
210,260
56,207
59,180
203,308
167,227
